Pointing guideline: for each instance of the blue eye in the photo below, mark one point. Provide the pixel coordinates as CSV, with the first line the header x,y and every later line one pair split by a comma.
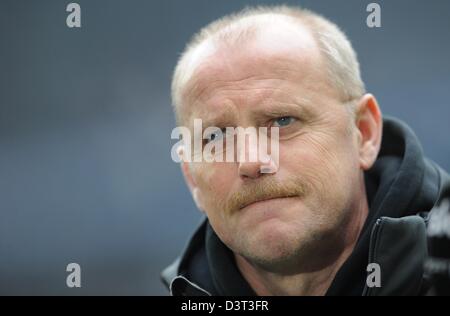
x,y
284,121
214,136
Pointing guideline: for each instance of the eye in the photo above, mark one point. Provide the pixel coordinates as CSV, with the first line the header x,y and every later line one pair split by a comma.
x,y
284,121
215,135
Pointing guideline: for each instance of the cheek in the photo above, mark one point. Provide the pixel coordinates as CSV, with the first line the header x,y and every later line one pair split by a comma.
x,y
329,182
326,163
214,181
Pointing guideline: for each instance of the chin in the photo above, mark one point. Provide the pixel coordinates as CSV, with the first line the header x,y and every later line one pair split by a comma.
x,y
274,259
273,231
271,241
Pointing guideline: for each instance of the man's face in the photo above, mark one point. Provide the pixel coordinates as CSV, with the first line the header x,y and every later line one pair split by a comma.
x,y
275,81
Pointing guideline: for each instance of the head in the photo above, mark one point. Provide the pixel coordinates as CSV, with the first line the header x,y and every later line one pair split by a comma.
x,y
291,69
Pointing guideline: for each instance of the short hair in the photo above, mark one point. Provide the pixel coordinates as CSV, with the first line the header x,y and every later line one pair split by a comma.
x,y
341,59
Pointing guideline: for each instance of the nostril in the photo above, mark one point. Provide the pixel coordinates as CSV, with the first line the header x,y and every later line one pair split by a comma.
x,y
249,170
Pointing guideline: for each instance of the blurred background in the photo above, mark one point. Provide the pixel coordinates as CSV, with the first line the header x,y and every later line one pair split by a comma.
x,y
86,174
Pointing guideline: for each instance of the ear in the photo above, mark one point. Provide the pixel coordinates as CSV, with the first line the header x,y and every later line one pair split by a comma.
x,y
369,124
186,169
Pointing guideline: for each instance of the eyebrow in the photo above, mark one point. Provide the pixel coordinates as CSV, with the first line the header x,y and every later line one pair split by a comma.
x,y
288,108
221,118
226,118
283,108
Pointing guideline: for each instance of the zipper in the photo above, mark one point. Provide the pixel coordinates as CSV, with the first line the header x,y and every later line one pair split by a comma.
x,y
372,246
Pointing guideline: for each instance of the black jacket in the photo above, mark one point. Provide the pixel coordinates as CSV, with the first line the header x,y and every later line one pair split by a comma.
x,y
402,189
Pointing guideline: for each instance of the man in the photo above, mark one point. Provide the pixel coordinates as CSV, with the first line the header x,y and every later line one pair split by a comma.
x,y
345,191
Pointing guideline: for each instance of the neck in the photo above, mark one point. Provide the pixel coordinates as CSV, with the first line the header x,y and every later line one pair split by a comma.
x,y
312,282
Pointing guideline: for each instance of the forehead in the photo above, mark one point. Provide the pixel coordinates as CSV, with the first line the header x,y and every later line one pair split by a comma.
x,y
274,61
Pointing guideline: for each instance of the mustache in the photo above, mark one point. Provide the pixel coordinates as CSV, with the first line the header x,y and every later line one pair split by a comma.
x,y
264,190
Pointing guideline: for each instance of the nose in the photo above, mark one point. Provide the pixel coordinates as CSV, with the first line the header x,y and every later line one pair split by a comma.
x,y
254,164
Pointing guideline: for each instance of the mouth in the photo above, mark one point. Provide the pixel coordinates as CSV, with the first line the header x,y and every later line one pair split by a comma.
x,y
266,199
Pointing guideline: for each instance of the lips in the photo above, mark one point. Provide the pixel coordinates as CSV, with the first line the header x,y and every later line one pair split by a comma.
x,y
263,199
